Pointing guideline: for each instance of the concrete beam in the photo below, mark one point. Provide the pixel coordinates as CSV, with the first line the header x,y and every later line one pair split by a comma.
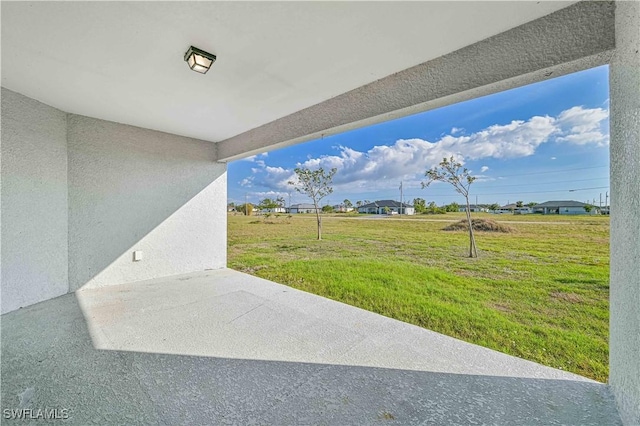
x,y
578,37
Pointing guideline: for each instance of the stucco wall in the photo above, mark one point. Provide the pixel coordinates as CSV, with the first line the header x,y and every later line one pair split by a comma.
x,y
79,195
573,210
624,346
137,189
34,202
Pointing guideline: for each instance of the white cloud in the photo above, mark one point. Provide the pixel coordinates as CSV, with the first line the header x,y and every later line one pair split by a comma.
x,y
586,138
254,158
383,166
580,126
483,178
581,120
553,158
268,194
455,130
247,182
278,177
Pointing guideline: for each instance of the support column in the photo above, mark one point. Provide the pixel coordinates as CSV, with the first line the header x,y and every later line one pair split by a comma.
x,y
624,347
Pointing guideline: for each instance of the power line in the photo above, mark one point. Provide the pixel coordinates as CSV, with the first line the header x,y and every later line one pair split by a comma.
x,y
585,189
546,183
544,192
510,193
555,171
534,184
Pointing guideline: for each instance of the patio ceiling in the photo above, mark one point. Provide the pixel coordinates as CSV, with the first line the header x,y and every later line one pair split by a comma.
x,y
122,61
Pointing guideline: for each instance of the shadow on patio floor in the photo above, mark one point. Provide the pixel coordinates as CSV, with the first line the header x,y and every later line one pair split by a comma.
x,y
48,352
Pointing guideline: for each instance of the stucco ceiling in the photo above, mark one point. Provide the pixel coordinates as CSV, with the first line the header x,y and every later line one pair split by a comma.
x,y
122,61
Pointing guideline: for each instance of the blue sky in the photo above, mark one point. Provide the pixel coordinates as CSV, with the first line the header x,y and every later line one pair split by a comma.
x,y
534,143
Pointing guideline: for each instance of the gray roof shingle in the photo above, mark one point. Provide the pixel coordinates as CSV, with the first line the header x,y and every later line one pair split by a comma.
x,y
555,204
386,203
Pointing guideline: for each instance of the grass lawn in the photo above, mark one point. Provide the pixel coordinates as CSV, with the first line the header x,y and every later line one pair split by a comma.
x,y
540,293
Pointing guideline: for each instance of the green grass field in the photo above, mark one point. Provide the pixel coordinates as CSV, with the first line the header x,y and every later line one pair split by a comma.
x,y
540,293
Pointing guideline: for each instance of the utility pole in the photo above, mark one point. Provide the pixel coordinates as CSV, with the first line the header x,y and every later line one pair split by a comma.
x,y
606,199
400,209
601,200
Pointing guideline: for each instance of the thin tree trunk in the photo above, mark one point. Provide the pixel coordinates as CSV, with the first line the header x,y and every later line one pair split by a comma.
x,y
473,252
319,223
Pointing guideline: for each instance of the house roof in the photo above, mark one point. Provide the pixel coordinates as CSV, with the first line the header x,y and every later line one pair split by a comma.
x,y
302,206
385,203
515,206
553,204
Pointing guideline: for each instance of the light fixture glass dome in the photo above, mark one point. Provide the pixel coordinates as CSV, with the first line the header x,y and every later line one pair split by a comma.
x,y
199,60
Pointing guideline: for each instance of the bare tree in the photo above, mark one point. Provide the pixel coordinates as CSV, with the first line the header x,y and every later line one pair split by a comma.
x,y
450,171
315,184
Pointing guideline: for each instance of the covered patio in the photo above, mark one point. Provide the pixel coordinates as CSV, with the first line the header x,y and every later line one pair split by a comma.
x,y
115,298
223,347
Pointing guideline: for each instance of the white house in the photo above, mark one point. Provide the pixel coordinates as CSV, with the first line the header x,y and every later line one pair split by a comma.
x,y
114,154
473,208
564,207
513,208
341,208
303,208
387,206
274,210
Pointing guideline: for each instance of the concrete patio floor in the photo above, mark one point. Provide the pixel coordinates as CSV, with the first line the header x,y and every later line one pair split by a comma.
x,y
222,347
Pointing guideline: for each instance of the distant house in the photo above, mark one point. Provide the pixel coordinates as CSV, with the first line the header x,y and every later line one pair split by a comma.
x,y
513,208
384,206
341,208
507,208
473,208
274,210
303,208
563,207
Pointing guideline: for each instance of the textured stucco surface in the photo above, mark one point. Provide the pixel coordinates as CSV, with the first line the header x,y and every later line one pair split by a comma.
x,y
137,189
222,347
571,39
34,202
275,58
624,347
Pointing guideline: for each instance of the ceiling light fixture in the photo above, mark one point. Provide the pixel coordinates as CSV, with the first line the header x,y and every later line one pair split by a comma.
x,y
199,60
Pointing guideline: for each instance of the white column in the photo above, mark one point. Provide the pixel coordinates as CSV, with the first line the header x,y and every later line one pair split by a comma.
x,y
624,349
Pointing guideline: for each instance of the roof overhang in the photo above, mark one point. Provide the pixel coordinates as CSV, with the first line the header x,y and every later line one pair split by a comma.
x,y
287,71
